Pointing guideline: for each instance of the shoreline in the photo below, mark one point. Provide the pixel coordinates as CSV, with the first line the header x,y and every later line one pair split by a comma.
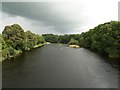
x,y
73,46
20,52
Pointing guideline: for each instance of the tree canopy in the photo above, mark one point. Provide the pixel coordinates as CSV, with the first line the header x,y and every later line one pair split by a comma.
x,y
104,38
15,40
73,42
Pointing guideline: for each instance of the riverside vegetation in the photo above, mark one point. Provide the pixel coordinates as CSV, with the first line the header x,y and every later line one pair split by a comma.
x,y
104,38
15,40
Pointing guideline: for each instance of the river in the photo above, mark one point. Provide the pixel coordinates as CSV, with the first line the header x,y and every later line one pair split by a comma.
x,y
57,66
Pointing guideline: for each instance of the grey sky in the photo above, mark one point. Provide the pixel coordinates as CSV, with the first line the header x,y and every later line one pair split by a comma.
x,y
59,17
119,11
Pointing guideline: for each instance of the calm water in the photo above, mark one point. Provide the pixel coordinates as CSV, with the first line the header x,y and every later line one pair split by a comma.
x,y
57,66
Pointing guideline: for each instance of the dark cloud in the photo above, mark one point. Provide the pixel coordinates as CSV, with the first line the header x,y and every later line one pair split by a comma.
x,y
61,17
119,10
41,12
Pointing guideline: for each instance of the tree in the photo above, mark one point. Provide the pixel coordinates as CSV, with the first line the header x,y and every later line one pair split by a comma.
x,y
14,40
14,36
51,38
73,42
104,38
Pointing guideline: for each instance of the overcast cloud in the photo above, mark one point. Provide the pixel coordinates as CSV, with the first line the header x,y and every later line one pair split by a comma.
x,y
59,17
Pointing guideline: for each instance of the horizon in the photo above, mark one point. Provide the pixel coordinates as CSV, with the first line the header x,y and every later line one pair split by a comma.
x,y
54,33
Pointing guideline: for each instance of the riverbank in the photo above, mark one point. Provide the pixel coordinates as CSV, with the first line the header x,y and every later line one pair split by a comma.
x,y
73,46
18,52
14,41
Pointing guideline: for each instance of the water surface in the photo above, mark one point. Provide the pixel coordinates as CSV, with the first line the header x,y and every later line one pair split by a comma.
x,y
57,66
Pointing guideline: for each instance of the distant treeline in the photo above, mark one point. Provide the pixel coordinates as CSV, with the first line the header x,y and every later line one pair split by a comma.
x,y
104,38
15,40
60,38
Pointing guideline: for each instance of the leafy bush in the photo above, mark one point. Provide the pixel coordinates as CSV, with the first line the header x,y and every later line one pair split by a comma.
x,y
104,38
73,42
14,40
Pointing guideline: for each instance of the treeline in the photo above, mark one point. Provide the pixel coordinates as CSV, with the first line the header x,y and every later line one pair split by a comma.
x,y
60,38
15,40
104,38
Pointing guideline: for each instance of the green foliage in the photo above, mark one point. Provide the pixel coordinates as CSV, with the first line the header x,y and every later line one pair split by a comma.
x,y
104,38
14,40
73,42
85,40
60,38
5,53
51,38
64,38
14,36
32,40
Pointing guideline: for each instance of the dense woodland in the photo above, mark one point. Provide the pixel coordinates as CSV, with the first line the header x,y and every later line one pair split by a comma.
x,y
15,40
104,38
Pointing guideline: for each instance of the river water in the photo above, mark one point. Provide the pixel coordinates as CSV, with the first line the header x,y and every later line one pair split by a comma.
x,y
57,66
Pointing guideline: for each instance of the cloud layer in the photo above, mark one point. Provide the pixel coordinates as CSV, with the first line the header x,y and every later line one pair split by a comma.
x,y
55,17
43,13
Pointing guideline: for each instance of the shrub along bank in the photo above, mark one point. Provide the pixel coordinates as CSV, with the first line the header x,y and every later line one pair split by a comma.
x,y
15,40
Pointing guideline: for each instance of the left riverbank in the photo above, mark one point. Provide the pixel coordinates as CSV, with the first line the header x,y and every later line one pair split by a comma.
x,y
14,40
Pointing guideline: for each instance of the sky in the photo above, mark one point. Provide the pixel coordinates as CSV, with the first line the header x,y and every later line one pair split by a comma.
x,y
58,16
